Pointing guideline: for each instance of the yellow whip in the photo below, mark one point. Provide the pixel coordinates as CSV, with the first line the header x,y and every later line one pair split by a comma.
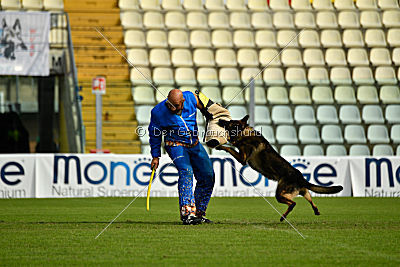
x,y
149,188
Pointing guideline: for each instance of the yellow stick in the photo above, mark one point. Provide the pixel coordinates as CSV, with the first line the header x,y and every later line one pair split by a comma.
x,y
148,190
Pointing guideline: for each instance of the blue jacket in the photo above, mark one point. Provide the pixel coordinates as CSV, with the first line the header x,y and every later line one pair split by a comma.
x,y
173,127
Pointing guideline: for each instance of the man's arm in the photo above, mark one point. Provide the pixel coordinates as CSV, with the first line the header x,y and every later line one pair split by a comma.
x,y
155,134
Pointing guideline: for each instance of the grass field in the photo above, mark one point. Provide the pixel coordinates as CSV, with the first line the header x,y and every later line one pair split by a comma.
x,y
350,231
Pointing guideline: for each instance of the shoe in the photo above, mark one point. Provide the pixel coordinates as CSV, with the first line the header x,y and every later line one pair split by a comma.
x,y
191,220
205,220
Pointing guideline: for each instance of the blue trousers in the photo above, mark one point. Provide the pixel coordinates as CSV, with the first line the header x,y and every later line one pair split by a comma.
x,y
189,161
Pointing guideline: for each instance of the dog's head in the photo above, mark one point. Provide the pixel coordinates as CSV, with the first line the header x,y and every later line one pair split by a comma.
x,y
234,127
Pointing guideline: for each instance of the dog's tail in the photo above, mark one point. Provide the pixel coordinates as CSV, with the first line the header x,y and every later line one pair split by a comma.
x,y
324,189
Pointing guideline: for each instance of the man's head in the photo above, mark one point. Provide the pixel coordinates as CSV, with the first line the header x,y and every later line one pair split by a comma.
x,y
175,101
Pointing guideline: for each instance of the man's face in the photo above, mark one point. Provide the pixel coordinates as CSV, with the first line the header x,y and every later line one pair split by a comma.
x,y
175,107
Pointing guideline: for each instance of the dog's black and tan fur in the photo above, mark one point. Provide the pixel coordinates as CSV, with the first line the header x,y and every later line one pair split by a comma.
x,y
256,151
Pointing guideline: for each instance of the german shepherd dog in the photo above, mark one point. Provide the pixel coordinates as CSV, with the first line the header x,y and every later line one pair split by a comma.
x,y
11,39
255,150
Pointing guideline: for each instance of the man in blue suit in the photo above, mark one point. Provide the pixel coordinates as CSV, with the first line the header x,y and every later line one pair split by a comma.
x,y
175,119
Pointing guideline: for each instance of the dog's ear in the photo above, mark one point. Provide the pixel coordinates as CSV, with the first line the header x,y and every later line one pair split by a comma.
x,y
245,118
4,23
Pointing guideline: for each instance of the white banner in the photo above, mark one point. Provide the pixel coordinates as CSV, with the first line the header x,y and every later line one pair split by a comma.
x,y
24,43
17,176
375,177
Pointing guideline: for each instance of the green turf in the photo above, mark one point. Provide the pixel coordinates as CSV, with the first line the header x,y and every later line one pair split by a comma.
x,y
350,231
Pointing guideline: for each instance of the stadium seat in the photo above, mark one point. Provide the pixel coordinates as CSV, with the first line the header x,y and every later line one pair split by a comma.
x,y
232,95
378,134
299,5
359,150
52,5
393,37
163,76
134,38
175,20
150,5
137,78
162,92
322,95
185,76
389,94
336,151
153,20
395,133
354,134
382,150
331,38
318,76
156,39
281,114
345,95
236,5
335,57
261,20
313,150
178,39
295,76
279,5
277,95
218,20
380,56
145,139
269,57
366,4
237,112
305,20
283,20
331,134
225,57
309,38
197,20
273,76
372,114
322,4
247,58
304,114
145,149
260,97
214,93
160,57
181,58
214,5
396,56
391,18
398,150
344,4
143,95
340,75
290,150
327,20
375,38
326,114
385,75
357,57
248,73
229,76
35,5
221,39
243,39
370,19
193,5
363,75
309,134
171,5
286,134
392,113
388,4
349,114
261,115
131,20
300,95
240,20
207,76
200,39
138,57
128,5
257,5
267,132
265,38
353,38
203,57
367,95
291,57
142,113
287,38
313,57
348,20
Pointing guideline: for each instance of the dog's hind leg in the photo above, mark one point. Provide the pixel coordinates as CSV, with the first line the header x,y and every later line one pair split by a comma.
x,y
285,198
306,194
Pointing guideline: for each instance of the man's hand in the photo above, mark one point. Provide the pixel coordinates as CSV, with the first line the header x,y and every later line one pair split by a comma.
x,y
154,163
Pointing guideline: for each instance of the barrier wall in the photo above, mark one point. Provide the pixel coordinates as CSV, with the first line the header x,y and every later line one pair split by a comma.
x,y
109,175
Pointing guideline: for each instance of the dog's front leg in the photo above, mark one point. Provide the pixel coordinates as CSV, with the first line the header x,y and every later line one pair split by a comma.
x,y
241,157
